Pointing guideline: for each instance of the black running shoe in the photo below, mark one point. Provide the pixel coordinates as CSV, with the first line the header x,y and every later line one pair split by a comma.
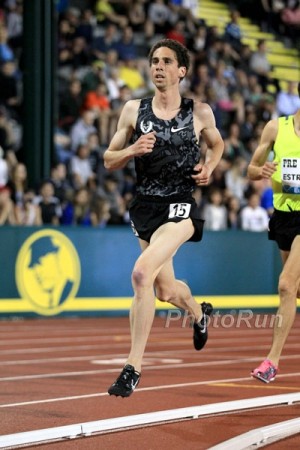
x,y
126,382
200,328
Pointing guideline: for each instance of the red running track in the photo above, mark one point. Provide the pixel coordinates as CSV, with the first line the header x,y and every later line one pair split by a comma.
x,y
55,372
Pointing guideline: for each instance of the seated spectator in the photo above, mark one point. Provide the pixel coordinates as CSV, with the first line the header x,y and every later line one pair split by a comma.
x,y
288,102
138,19
131,76
86,26
9,89
110,192
233,33
28,213
83,126
106,42
126,46
18,183
198,39
235,178
77,210
49,204
158,14
6,52
59,178
7,137
4,172
96,157
95,74
100,212
62,146
106,14
234,146
261,67
14,21
214,212
253,216
80,55
233,213
98,102
177,32
70,104
7,216
80,169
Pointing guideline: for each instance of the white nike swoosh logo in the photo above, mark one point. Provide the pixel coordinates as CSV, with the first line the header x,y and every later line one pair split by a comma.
x,y
203,330
173,129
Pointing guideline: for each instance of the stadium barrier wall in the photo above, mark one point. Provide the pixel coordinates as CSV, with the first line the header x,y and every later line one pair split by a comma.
x,y
59,271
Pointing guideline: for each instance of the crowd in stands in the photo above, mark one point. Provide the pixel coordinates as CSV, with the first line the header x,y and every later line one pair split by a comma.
x,y
102,62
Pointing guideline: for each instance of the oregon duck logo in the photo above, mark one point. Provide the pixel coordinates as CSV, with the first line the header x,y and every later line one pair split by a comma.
x,y
48,271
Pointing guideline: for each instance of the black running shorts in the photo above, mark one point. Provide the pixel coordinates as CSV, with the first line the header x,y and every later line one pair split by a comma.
x,y
284,226
148,213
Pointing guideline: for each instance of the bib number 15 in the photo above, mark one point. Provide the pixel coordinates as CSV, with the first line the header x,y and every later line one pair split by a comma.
x,y
181,210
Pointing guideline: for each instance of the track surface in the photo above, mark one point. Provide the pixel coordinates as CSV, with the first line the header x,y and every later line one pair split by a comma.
x,y
56,372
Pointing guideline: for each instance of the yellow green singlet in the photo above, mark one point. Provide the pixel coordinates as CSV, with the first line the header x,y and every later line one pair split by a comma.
x,y
286,179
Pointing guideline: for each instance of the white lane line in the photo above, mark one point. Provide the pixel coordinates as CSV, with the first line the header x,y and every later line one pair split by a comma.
x,y
156,367
118,424
260,437
117,345
151,388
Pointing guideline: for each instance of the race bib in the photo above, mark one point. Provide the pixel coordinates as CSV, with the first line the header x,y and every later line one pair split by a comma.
x,y
290,175
181,210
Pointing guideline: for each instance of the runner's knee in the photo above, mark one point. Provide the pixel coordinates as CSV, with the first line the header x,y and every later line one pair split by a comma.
x,y
287,285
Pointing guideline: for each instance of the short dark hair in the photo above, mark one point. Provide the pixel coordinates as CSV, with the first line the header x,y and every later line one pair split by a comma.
x,y
180,50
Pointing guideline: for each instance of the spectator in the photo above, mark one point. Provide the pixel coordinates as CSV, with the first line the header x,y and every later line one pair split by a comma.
x,y
106,14
198,39
81,171
86,26
110,192
98,102
49,204
102,44
253,216
7,216
158,14
100,213
9,89
6,52
177,32
15,26
70,104
233,34
28,213
96,157
233,213
260,65
131,76
214,212
236,182
7,138
18,183
4,174
59,178
288,102
83,126
126,46
77,211
234,147
138,19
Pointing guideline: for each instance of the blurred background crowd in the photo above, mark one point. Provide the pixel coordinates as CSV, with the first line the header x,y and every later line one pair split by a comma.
x,y
102,49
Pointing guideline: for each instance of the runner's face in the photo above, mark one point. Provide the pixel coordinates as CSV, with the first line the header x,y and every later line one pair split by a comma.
x,y
164,68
